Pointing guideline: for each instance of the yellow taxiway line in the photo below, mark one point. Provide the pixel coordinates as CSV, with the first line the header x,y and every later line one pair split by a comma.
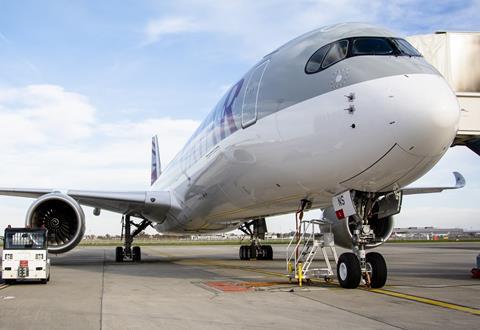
x,y
428,301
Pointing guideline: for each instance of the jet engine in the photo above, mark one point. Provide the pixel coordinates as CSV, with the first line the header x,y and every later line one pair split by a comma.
x,y
381,228
62,216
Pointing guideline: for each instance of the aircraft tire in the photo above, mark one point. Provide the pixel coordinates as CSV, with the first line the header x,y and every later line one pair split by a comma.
x,y
248,252
379,269
252,252
349,272
262,255
119,254
136,253
243,252
269,252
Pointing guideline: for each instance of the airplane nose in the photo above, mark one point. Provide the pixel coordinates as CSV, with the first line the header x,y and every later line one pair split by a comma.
x,y
412,121
427,114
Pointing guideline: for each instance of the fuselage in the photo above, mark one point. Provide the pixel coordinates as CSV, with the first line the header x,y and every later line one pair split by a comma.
x,y
330,111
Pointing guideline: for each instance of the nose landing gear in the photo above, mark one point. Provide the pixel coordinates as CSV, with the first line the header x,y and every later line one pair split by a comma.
x,y
350,271
256,229
371,267
353,267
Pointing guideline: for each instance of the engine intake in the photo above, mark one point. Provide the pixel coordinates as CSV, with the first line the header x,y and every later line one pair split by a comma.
x,y
62,216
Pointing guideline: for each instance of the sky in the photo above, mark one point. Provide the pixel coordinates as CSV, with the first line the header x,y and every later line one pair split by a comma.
x,y
85,84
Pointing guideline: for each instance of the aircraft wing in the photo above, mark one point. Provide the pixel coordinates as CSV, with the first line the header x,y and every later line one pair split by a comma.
x,y
459,183
115,201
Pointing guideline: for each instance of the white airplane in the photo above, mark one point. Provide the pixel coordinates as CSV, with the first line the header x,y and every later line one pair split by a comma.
x,y
341,118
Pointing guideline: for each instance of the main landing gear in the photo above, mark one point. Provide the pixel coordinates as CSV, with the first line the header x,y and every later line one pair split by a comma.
x,y
371,267
127,252
256,229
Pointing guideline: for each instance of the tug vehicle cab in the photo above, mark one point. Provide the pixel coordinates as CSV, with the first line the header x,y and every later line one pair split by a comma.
x,y
25,255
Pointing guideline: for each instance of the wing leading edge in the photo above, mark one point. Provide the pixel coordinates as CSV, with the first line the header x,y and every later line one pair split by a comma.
x,y
459,183
139,202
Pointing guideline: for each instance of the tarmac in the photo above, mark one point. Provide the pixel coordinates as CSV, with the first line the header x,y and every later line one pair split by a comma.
x,y
208,287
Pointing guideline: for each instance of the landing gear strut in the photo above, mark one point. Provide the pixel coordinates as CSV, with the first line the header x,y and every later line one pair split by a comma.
x,y
256,229
127,253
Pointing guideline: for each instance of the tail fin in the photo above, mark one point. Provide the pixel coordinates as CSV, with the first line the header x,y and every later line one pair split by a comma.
x,y
156,165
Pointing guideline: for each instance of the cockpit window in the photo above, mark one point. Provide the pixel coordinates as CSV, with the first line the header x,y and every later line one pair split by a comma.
x,y
405,48
371,46
337,52
315,62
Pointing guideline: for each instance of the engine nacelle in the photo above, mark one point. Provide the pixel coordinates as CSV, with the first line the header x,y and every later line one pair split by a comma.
x,y
342,229
62,216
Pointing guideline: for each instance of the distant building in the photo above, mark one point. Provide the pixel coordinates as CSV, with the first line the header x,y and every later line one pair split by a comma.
x,y
428,233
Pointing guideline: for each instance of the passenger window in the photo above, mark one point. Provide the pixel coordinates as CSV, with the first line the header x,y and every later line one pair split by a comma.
x,y
371,46
337,52
315,62
407,49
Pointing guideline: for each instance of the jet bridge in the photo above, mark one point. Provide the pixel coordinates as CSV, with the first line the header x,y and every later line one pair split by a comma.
x,y
457,56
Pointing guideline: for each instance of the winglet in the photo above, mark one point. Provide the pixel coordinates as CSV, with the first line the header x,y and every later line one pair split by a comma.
x,y
156,165
459,183
459,180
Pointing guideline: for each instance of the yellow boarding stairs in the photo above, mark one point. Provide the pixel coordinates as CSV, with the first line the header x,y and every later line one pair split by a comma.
x,y
303,248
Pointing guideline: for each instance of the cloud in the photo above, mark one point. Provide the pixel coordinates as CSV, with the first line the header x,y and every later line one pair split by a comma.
x,y
255,28
39,114
47,132
52,138
155,29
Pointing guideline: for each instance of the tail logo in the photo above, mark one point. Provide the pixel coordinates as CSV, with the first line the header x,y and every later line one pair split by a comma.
x,y
156,166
